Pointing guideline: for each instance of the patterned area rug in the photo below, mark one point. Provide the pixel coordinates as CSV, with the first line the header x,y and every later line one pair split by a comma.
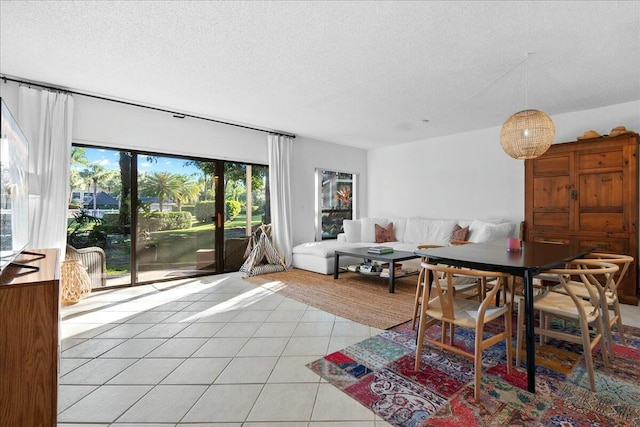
x,y
378,373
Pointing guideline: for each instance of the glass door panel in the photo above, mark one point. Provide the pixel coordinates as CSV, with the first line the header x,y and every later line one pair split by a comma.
x,y
99,218
175,218
246,207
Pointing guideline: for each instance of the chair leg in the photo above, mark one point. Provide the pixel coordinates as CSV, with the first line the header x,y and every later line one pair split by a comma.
x,y
507,327
477,365
607,327
416,303
452,333
519,332
421,331
588,357
601,331
616,310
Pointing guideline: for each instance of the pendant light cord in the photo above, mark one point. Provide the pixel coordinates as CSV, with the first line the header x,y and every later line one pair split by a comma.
x,y
488,85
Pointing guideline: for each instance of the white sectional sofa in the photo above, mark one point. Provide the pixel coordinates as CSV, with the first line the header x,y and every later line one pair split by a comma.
x,y
409,233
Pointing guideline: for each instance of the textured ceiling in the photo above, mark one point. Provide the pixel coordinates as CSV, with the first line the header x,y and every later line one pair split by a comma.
x,y
357,73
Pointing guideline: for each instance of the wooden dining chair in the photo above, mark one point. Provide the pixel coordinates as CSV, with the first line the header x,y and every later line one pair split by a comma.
x,y
569,306
482,284
459,284
450,311
608,292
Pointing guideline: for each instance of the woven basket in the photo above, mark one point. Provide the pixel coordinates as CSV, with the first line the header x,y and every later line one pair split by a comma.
x,y
75,282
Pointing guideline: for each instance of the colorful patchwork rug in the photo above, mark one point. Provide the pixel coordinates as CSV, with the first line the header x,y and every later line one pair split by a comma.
x,y
379,373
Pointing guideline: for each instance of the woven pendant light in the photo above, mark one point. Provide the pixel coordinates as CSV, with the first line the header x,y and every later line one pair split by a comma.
x,y
527,134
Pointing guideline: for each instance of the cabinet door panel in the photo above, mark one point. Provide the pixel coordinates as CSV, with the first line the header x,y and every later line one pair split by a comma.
x,y
552,165
551,193
552,219
604,159
601,202
601,190
610,222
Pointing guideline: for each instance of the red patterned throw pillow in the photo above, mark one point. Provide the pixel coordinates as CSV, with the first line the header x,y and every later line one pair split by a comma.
x,y
460,233
385,234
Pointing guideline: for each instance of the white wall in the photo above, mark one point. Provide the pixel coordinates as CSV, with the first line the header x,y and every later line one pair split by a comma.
x,y
467,175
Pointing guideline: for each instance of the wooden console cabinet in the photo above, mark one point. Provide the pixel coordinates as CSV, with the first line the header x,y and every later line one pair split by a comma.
x,y
586,192
29,318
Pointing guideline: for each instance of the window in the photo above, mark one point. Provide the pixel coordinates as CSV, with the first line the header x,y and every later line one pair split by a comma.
x,y
336,196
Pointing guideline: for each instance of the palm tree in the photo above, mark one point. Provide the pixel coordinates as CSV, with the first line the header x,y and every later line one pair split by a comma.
x,y
75,181
189,192
163,185
94,173
111,182
208,169
78,156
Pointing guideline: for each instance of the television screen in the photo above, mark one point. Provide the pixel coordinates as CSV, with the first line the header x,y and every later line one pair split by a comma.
x,y
14,189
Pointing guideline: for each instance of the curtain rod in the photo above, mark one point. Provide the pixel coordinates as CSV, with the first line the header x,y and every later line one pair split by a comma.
x,y
175,114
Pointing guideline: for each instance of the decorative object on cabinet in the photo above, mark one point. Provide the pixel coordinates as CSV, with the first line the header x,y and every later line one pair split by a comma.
x,y
590,134
586,192
619,130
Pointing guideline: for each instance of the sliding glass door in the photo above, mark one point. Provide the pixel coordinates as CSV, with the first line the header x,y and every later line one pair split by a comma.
x,y
162,217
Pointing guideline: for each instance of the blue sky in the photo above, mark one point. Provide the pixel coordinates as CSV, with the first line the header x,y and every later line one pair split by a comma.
x,y
108,159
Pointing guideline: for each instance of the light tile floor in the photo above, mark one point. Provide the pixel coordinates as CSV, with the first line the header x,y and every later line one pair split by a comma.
x,y
213,351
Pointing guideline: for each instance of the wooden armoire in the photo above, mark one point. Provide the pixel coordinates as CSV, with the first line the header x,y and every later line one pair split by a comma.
x,y
586,192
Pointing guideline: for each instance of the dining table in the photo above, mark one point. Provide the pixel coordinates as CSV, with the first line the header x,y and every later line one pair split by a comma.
x,y
527,261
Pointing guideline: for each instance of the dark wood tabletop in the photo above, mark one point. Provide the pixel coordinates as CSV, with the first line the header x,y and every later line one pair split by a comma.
x,y
494,256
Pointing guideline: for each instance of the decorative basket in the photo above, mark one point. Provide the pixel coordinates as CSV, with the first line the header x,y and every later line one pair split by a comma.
x,y
75,282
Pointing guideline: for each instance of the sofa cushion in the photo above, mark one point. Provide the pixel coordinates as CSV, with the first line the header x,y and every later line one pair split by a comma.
x,y
460,233
385,234
326,248
428,231
352,230
481,231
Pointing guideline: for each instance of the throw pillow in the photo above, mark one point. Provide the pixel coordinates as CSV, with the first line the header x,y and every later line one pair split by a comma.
x,y
460,233
385,234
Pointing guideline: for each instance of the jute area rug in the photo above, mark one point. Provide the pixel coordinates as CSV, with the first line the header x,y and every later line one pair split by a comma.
x,y
363,299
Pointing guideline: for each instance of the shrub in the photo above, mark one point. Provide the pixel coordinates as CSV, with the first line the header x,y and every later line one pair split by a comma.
x,y
232,208
110,218
160,221
204,211
189,208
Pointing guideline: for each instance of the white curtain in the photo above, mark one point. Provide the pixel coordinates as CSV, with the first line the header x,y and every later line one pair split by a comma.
x,y
280,148
46,118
